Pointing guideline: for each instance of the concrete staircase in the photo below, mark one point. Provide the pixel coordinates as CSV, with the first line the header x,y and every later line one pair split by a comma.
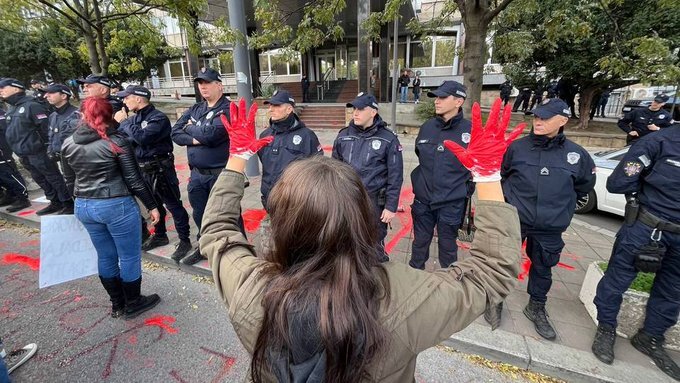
x,y
323,116
340,91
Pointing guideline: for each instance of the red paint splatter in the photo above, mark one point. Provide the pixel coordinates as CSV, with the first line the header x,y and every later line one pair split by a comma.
x,y
252,219
35,242
565,266
162,321
181,167
404,218
152,230
463,245
327,148
526,263
227,364
20,259
132,339
26,212
171,228
175,374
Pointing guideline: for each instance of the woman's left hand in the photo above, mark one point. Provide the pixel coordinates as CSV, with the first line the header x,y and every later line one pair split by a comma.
x,y
155,216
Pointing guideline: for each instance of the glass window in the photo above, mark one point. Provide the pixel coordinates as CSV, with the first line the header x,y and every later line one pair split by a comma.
x,y
264,62
294,65
445,49
279,64
161,71
176,69
401,53
421,52
227,65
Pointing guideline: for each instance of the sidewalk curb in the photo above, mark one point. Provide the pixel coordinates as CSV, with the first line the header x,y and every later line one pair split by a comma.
x,y
594,228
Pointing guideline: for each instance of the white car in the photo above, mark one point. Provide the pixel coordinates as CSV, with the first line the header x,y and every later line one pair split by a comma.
x,y
599,197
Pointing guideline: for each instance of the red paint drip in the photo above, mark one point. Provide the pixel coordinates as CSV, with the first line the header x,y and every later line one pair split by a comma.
x,y
152,230
162,321
181,167
35,242
565,266
327,148
20,259
252,219
526,263
404,218
25,213
132,339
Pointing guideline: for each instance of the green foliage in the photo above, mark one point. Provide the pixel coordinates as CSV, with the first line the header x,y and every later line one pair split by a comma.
x,y
267,91
425,109
643,281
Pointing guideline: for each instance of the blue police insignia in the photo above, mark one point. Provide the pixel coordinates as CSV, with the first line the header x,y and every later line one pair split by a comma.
x,y
632,168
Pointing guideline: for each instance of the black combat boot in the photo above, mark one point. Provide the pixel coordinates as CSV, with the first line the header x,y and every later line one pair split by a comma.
x,y
114,287
181,250
53,207
194,258
135,303
7,199
652,346
535,311
19,204
68,208
154,241
603,344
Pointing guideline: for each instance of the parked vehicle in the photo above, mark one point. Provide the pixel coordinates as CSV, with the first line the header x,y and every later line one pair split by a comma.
x,y
599,198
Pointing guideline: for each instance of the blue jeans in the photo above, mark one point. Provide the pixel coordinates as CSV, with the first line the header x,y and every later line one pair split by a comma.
x,y
114,227
404,92
4,376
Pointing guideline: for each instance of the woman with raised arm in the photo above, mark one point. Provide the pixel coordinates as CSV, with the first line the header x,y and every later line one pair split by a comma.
x,y
320,307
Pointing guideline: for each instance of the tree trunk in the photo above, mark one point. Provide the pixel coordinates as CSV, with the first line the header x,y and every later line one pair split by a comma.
x,y
93,54
585,100
474,52
101,46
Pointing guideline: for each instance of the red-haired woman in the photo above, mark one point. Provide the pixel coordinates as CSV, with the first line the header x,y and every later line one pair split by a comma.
x,y
102,174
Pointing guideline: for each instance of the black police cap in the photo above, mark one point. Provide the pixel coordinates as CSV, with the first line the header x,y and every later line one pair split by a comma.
x,y
449,88
364,100
59,88
661,98
95,79
550,108
281,97
209,75
12,82
136,90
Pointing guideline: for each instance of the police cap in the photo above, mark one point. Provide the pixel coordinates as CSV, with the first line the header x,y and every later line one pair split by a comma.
x,y
550,108
363,100
94,79
136,90
209,74
661,98
59,88
281,97
449,88
12,82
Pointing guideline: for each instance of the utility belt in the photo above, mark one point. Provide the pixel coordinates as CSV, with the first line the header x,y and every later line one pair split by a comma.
x,y
649,257
158,163
659,224
208,171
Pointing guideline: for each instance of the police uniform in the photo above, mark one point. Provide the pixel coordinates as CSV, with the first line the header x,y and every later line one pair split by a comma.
x,y
638,119
62,122
27,125
16,192
115,102
149,130
651,172
376,155
292,141
440,182
506,90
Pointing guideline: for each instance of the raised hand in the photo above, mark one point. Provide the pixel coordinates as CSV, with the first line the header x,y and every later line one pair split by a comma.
x,y
241,130
484,153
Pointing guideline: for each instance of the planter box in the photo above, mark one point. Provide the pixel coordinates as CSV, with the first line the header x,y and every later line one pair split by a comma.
x,y
632,314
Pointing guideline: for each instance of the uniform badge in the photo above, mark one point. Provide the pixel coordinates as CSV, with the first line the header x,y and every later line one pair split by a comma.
x,y
375,144
440,148
56,130
400,148
144,124
545,172
662,116
465,137
209,115
198,123
21,110
573,157
632,168
297,139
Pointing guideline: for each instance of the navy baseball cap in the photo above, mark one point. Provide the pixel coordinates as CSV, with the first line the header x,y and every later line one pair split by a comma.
x,y
281,97
12,82
59,88
363,100
449,88
550,108
136,90
661,98
209,75
94,79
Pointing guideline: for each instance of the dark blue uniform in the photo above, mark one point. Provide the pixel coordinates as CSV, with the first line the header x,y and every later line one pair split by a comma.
x,y
208,158
542,178
375,154
292,141
149,130
10,178
440,185
62,123
638,119
651,168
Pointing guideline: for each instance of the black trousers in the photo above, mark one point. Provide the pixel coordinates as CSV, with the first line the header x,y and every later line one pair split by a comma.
x,y
46,174
11,179
165,186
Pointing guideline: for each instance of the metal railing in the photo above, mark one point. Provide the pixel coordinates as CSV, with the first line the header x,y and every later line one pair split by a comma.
x,y
325,83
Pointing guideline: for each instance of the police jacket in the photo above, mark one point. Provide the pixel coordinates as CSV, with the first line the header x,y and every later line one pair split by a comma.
x,y
638,119
93,170
6,151
292,141
27,123
203,123
424,308
651,168
375,154
440,179
542,178
506,88
61,126
149,130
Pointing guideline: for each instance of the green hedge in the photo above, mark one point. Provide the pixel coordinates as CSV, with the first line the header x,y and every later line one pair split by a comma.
x,y
642,283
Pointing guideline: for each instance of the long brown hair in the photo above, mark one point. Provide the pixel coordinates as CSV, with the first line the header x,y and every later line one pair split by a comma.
x,y
324,256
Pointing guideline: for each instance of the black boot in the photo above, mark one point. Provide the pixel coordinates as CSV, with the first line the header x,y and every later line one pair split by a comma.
x,y
115,289
145,231
535,311
181,250
19,204
68,208
603,344
652,346
154,241
53,207
135,303
493,314
7,199
194,258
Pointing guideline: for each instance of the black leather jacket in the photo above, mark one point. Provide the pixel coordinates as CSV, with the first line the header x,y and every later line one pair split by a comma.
x,y
93,170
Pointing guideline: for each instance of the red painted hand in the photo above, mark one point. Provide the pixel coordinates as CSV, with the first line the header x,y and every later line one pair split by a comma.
x,y
484,154
241,130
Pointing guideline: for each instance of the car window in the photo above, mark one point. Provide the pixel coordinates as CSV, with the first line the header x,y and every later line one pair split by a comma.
x,y
618,157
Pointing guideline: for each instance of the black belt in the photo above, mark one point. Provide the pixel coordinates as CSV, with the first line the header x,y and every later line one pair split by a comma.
x,y
650,219
209,172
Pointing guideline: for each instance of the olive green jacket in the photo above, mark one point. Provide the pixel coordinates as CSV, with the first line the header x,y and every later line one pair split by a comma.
x,y
425,308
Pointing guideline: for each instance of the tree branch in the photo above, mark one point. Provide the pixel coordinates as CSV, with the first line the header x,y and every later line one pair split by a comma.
x,y
73,21
490,15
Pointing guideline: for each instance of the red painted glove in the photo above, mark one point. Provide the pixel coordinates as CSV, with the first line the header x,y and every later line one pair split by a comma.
x,y
242,141
484,153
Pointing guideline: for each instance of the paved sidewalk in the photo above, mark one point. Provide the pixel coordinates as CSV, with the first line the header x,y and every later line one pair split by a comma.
x,y
515,342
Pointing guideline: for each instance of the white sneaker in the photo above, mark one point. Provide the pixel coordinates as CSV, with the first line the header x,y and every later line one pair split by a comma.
x,y
18,357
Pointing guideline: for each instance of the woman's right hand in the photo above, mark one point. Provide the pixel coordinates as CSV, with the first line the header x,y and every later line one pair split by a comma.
x,y
155,216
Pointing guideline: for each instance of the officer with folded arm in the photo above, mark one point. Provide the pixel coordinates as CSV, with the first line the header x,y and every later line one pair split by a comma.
x,y
648,241
642,121
63,120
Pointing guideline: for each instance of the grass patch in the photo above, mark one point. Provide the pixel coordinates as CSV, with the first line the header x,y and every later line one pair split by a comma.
x,y
642,283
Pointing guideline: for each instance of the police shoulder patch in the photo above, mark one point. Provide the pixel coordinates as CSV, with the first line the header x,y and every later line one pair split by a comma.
x,y
144,124
465,137
209,115
297,139
22,109
573,158
632,168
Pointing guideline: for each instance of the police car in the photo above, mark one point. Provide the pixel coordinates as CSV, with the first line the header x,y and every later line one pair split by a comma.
x,y
599,198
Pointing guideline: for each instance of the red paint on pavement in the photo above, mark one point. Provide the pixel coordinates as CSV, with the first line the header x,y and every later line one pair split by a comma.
x,y
227,364
252,219
463,245
181,167
35,242
162,321
20,259
26,212
327,148
404,218
175,374
565,266
132,339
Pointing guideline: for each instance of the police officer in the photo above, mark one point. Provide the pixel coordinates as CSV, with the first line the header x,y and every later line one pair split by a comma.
x,y
292,141
552,89
27,124
200,129
543,175
374,151
649,240
149,130
441,184
522,100
537,97
16,193
506,90
100,86
642,121
61,122
38,90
